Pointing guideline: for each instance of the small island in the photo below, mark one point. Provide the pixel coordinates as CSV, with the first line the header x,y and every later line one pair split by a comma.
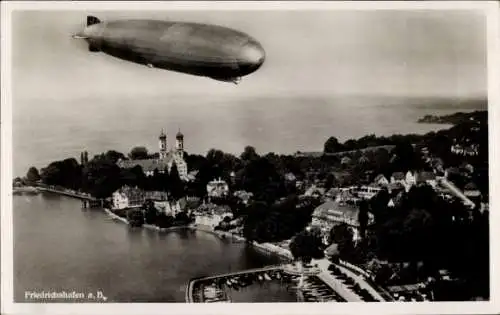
x,y
454,119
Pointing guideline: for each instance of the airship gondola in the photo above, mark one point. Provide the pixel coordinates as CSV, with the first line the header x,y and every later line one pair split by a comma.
x,y
199,49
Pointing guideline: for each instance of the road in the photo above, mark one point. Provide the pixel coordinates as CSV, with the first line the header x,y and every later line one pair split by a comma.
x,y
340,287
457,192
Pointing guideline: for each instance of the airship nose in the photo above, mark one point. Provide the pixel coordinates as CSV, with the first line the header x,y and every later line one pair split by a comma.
x,y
252,56
92,31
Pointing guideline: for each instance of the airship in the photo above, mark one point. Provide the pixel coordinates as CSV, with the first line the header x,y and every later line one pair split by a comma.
x,y
206,50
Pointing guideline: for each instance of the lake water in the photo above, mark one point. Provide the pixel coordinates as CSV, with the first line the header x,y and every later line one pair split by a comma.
x,y
60,247
47,130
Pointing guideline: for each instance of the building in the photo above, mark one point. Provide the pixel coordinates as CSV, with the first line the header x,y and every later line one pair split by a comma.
x,y
381,180
398,177
366,192
410,179
244,196
290,177
395,188
332,213
472,192
211,215
128,197
217,189
465,150
428,178
165,161
345,160
314,191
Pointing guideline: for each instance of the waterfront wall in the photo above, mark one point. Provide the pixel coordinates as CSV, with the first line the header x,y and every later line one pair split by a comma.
x,y
115,216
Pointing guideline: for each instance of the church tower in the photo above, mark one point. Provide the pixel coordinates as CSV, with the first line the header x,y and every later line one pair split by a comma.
x,y
163,145
179,142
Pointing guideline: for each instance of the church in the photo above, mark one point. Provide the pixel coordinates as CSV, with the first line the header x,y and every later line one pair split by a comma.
x,y
165,159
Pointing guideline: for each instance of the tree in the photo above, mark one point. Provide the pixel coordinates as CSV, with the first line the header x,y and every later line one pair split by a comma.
x,y
249,154
343,236
306,246
150,212
363,217
138,153
182,217
330,181
114,156
175,183
135,217
332,145
32,176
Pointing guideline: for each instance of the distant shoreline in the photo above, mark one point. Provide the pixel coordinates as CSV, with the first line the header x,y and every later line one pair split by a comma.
x,y
453,119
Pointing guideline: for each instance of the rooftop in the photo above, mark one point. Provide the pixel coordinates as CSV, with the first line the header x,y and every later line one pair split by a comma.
x,y
336,209
148,165
398,175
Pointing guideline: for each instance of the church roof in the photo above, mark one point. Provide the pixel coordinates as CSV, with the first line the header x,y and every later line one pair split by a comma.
x,y
148,165
179,135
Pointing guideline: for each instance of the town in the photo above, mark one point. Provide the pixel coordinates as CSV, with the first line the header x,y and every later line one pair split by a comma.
x,y
406,215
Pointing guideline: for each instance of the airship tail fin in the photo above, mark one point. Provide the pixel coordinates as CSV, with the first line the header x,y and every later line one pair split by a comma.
x,y
91,20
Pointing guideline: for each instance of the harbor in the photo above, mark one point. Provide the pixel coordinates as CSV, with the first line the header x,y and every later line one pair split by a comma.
x,y
302,286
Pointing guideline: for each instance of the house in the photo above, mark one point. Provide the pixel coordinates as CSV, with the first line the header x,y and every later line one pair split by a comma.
x,y
332,193
128,197
366,192
346,195
466,150
451,171
244,196
290,177
391,204
426,178
381,180
345,160
468,168
156,195
398,177
332,213
410,179
191,176
221,212
471,191
217,188
314,191
363,160
211,216
395,188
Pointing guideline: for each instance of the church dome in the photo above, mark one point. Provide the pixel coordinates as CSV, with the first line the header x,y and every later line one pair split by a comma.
x,y
179,135
163,135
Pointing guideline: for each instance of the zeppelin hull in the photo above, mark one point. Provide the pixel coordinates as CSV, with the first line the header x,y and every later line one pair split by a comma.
x,y
198,49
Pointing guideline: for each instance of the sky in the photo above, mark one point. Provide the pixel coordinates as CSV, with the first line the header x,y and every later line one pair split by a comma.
x,y
400,53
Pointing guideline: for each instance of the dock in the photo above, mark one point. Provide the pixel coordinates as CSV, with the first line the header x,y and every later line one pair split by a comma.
x,y
88,201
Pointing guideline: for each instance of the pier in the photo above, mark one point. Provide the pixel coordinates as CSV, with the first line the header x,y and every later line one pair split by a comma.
x,y
87,200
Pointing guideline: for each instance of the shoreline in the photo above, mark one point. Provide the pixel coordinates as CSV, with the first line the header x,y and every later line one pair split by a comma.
x,y
146,226
267,248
